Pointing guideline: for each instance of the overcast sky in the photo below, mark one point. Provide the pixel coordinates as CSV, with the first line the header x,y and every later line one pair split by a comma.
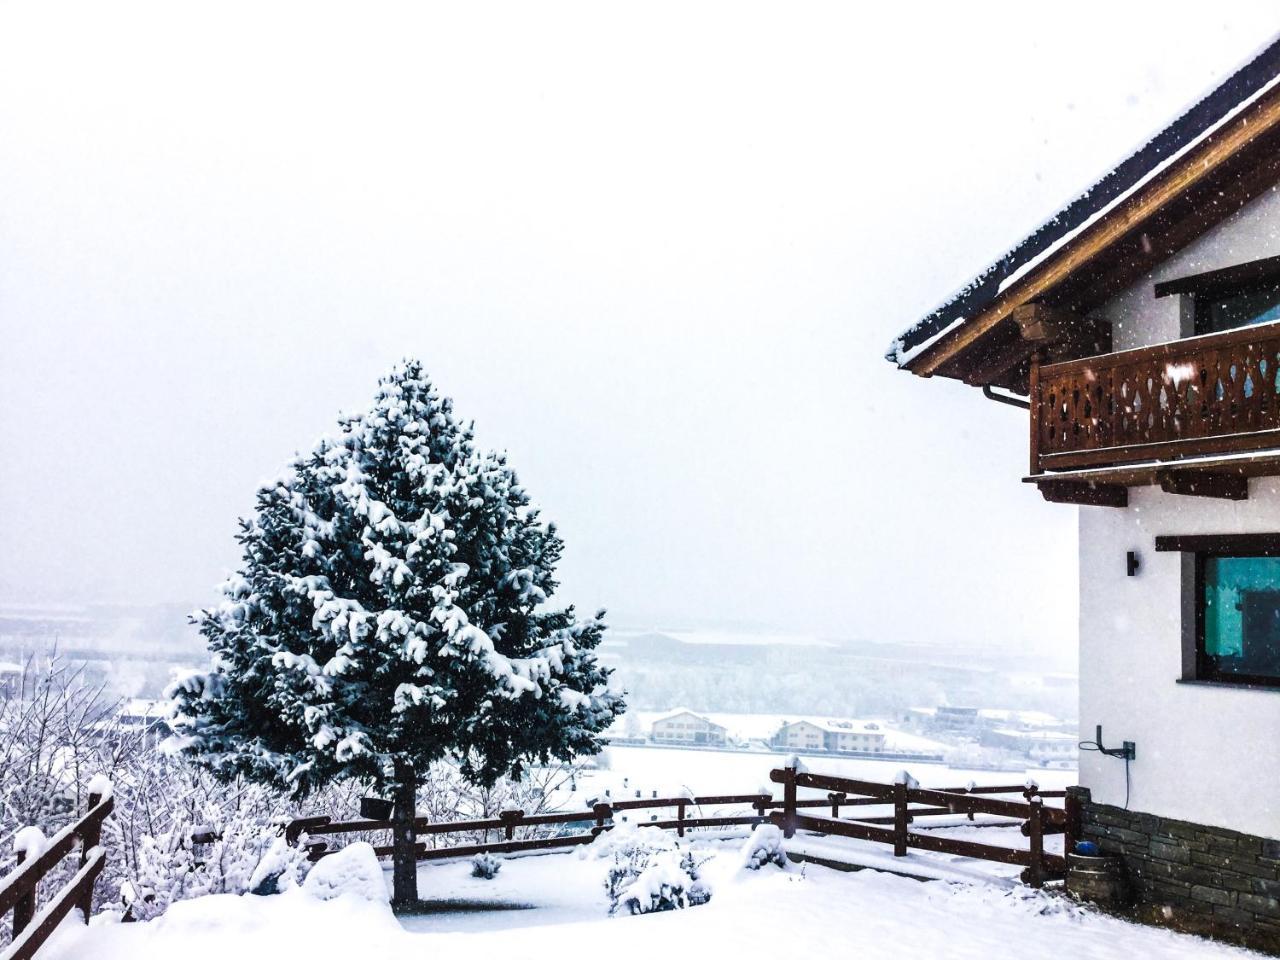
x,y
655,251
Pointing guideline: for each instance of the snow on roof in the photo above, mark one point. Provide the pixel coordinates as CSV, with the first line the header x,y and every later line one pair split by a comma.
x,y
682,712
7,666
1028,718
1055,735
1175,140
833,725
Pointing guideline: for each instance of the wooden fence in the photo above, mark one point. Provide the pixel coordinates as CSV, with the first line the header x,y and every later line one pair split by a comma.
x,y
590,822
1037,819
842,794
18,889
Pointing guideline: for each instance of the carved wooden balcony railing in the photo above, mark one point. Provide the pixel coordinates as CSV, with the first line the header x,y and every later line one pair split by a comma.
x,y
1207,395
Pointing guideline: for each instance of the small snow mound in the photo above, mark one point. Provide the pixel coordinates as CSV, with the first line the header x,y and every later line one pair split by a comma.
x,y
764,846
100,786
627,839
29,842
354,870
902,776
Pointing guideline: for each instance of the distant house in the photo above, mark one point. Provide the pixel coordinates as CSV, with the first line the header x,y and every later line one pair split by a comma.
x,y
1038,746
686,727
1138,331
831,736
10,680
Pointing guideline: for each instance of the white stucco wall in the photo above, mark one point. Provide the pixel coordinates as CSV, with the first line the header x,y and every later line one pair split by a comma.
x,y
1139,319
1207,754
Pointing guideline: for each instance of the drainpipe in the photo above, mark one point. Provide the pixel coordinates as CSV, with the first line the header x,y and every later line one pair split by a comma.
x,y
1003,398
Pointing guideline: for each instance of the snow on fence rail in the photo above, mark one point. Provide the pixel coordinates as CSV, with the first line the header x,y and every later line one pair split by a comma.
x,y
37,859
600,818
1038,820
842,794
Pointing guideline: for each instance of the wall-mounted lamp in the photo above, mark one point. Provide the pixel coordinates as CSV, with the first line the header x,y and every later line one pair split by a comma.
x,y
1131,563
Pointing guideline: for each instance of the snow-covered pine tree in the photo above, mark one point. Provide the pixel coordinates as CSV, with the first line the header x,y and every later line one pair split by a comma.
x,y
390,613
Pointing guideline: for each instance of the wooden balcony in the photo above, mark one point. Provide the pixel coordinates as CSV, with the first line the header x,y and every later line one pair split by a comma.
x,y
1196,416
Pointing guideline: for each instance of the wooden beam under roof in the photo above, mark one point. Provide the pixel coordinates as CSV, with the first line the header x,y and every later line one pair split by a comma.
x,y
1055,333
1204,483
1085,493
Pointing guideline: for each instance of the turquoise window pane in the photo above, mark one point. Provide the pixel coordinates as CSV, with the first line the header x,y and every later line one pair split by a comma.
x,y
1242,614
1243,309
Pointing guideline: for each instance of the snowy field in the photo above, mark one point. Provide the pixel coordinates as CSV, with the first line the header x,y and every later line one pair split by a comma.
x,y
714,771
550,906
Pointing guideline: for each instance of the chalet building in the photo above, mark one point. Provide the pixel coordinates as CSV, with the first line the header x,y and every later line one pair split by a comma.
x,y
1140,329
831,736
686,727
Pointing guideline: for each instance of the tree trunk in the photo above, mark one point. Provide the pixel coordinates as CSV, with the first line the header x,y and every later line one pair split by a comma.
x,y
404,838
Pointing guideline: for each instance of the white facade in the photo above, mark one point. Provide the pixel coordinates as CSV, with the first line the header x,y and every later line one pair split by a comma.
x,y
686,727
836,736
1204,753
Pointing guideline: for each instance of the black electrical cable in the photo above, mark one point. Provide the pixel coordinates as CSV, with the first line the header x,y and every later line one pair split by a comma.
x,y
1094,745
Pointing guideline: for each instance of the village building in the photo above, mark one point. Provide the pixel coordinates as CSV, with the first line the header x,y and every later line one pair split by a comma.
x,y
831,736
687,728
1139,331
1047,747
10,680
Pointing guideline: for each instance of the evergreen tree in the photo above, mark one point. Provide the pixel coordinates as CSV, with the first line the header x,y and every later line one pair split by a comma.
x,y
390,613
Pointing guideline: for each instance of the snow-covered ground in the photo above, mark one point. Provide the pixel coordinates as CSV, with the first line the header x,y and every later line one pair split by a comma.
x,y
548,906
718,772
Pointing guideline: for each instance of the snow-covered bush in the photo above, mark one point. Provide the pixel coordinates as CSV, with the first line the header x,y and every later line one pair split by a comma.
x,y
668,880
354,871
764,846
648,871
485,866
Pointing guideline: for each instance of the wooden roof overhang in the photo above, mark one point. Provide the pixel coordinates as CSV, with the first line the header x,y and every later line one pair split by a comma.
x,y
1042,310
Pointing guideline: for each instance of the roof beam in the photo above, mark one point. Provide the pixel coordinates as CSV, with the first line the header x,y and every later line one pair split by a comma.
x,y
1084,493
1198,483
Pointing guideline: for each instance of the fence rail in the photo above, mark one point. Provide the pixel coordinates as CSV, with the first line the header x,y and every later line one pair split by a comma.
x,y
1038,820
842,794
18,889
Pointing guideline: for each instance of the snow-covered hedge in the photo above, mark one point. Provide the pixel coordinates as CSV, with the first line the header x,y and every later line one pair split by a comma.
x,y
485,866
763,847
649,871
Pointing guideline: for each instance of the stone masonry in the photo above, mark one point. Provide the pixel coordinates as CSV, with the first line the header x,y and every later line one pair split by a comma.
x,y
1193,877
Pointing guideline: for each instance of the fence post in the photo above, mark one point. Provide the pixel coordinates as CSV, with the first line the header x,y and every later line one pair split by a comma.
x,y
899,819
509,820
836,799
680,818
1075,820
89,839
25,907
789,801
1035,872
603,812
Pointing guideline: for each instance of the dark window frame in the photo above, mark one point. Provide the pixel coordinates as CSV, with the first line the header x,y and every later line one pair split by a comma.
x,y
1197,665
1205,289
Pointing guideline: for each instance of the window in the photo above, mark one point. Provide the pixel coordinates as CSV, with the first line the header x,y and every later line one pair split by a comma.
x,y
1242,308
1230,607
1238,619
1239,296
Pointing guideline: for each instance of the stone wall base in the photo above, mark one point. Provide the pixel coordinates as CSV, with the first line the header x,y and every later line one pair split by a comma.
x,y
1192,877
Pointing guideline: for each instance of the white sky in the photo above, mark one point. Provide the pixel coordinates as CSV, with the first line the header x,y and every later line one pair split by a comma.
x,y
655,251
